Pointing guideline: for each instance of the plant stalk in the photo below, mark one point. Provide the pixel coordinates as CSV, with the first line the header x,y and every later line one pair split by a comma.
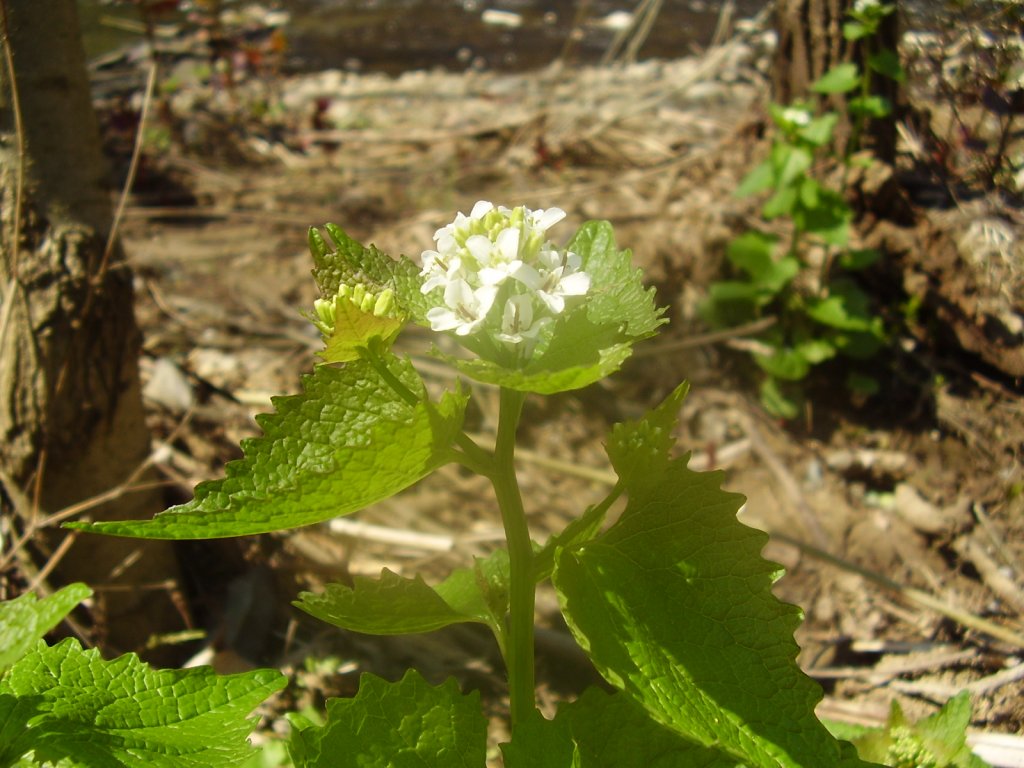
x,y
519,658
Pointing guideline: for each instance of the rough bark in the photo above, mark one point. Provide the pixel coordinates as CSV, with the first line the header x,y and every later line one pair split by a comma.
x,y
71,418
810,42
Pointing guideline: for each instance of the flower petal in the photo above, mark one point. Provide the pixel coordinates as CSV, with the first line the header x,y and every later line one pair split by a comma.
x,y
508,243
576,284
481,209
479,247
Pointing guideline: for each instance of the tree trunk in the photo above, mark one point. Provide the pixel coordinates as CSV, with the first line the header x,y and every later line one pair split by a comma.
x,y
71,418
811,42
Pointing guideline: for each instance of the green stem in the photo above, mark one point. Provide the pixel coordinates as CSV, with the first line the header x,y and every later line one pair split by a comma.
x,y
519,626
473,456
370,354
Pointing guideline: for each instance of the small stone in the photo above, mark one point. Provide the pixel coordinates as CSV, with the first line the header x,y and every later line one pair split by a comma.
x,y
168,386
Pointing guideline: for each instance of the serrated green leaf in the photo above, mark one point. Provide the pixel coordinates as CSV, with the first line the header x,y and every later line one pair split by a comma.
x,y
408,724
887,62
347,441
784,363
64,703
870,106
777,401
839,79
847,308
595,338
945,733
601,730
353,329
815,351
393,605
673,604
753,253
819,131
781,203
854,30
345,261
829,219
859,259
25,620
790,163
758,180
639,447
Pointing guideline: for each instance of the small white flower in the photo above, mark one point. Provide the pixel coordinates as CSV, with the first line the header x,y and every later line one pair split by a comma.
x,y
501,255
518,325
796,116
465,308
438,270
862,6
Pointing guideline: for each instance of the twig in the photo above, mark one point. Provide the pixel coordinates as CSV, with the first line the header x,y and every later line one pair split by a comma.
x,y
643,29
724,24
129,182
880,674
385,535
1004,677
789,485
997,581
703,339
910,594
996,539
53,561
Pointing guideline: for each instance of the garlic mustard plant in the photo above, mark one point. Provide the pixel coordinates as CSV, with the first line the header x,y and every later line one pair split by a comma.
x,y
671,601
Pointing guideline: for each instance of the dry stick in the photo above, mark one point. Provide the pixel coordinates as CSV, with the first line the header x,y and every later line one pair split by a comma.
x,y
53,561
643,29
788,483
357,529
1001,585
703,339
724,23
988,684
133,168
5,318
996,540
911,594
577,24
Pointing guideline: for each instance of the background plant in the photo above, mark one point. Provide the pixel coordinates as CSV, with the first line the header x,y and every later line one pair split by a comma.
x,y
808,282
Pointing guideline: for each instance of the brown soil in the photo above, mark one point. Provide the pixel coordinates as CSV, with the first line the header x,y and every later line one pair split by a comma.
x,y
898,520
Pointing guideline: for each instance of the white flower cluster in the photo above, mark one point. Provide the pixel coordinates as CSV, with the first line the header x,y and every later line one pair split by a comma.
x,y
797,117
499,273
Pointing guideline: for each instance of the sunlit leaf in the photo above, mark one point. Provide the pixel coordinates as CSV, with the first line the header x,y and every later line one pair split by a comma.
x,y
347,441
408,724
63,703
